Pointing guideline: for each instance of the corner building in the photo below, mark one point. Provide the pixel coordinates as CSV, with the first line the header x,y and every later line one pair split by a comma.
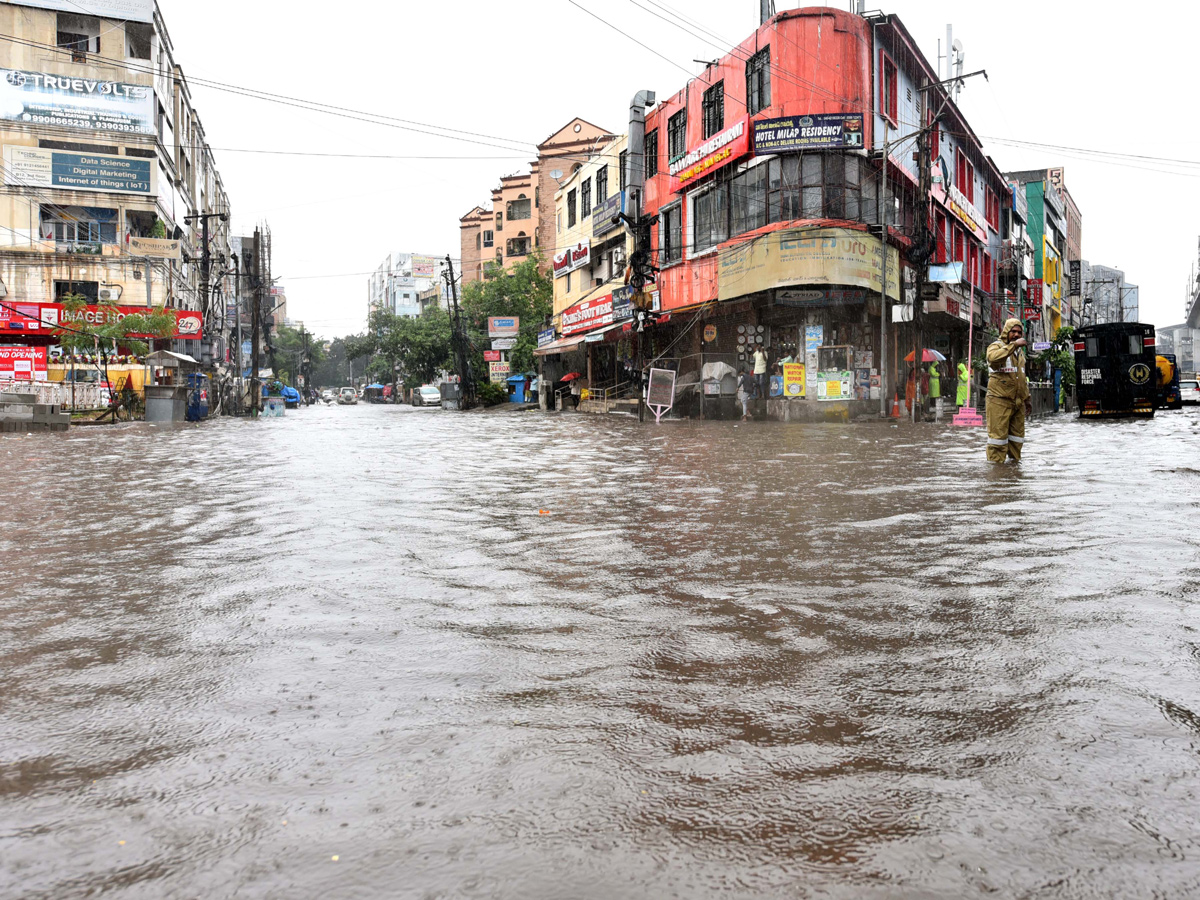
x,y
770,174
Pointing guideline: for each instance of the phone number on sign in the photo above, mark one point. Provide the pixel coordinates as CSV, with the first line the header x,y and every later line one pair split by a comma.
x,y
88,123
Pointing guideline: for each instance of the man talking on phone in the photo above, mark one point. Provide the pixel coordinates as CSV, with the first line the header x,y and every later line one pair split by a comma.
x,y
1008,400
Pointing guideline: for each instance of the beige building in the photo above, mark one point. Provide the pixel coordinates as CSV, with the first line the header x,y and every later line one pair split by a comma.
x,y
102,147
520,218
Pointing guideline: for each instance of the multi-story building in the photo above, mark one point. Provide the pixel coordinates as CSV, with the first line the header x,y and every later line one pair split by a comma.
x,y
1047,290
108,180
520,219
590,295
770,175
1106,295
401,280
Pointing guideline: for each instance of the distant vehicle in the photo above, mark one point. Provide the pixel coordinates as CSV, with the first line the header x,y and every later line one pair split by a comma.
x,y
1115,370
427,395
1167,396
291,397
347,396
328,396
1189,391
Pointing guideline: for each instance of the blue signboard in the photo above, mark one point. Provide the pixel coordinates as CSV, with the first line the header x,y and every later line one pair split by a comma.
x,y
605,211
622,304
546,336
90,172
824,131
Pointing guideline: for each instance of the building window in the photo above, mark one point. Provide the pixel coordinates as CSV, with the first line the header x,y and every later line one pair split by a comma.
x,y
939,229
602,184
708,218
499,220
568,282
585,198
571,209
714,109
677,135
758,81
889,102
488,237
670,234
518,246
79,34
651,151
964,176
138,37
79,225
622,159
519,208
478,241
992,212
960,246
89,290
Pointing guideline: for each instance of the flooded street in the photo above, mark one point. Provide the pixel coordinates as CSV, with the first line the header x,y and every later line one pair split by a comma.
x,y
345,654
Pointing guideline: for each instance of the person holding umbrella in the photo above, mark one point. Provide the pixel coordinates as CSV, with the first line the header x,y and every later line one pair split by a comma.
x,y
1008,399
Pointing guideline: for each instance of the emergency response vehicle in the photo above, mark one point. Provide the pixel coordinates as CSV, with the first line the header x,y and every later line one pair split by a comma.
x,y
1116,372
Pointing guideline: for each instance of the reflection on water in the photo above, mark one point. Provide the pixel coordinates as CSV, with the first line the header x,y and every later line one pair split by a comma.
x,y
732,661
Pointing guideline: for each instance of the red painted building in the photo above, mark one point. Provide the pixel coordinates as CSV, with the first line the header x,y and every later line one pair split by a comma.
x,y
765,175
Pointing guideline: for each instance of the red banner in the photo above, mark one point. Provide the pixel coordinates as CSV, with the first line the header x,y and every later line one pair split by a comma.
x,y
1032,313
44,318
23,363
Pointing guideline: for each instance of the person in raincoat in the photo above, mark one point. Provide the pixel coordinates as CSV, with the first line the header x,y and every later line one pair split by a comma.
x,y
935,385
1008,399
964,384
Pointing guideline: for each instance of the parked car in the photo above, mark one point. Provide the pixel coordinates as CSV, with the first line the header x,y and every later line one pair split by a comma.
x,y
347,396
1189,391
427,395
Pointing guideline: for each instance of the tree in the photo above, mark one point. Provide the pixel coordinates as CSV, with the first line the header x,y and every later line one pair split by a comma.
x,y
526,292
292,346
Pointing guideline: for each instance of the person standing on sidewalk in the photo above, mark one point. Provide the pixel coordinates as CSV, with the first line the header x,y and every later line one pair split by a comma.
x,y
745,388
1008,401
964,384
935,386
760,370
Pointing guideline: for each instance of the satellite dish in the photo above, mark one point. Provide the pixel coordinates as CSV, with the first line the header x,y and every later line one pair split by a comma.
x,y
556,174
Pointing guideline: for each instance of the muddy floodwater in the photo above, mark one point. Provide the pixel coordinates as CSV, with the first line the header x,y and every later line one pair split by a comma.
x,y
382,652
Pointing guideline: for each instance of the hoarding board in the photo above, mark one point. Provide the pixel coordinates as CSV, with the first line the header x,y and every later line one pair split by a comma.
x,y
125,10
572,258
23,363
822,131
605,211
498,372
793,380
491,356
37,167
42,98
44,318
504,326
587,314
660,392
546,336
159,248
424,266
715,153
504,343
835,386
815,256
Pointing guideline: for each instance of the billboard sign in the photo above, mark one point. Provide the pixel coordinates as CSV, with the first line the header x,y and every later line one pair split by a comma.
x,y
23,363
835,386
815,256
504,343
1075,278
605,211
587,314
35,167
718,151
498,372
126,10
546,336
159,248
40,98
793,380
491,356
44,317
792,134
660,392
622,304
572,258
424,266
504,326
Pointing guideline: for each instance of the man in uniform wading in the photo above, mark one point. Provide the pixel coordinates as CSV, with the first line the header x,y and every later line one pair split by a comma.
x,y
1008,400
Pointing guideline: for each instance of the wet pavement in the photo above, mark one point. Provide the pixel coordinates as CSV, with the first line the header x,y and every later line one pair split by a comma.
x,y
344,655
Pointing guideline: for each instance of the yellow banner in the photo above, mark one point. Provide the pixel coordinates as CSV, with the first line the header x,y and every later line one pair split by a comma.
x,y
793,380
810,256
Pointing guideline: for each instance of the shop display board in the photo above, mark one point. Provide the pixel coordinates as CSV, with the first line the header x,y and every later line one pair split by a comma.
x,y
835,386
660,393
793,381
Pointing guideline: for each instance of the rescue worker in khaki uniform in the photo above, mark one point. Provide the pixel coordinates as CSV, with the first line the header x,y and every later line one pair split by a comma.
x,y
1008,401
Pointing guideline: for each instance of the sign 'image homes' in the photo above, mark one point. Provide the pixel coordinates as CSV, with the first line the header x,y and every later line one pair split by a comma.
x,y
719,150
792,134
42,98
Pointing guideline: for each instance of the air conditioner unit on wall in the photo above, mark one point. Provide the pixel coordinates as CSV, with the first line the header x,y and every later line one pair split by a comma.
x,y
109,294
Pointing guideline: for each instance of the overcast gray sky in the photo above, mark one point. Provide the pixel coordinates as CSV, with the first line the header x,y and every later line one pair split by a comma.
x,y
1065,74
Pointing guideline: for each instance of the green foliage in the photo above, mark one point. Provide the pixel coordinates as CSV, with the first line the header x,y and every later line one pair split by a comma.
x,y
526,292
112,329
490,394
292,345
1061,355
404,349
159,229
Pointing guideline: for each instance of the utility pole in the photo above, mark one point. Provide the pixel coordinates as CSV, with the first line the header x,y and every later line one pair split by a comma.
x,y
205,269
238,381
256,287
458,344
641,260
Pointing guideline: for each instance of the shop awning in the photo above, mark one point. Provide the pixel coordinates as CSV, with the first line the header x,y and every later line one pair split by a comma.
x,y
598,335
560,345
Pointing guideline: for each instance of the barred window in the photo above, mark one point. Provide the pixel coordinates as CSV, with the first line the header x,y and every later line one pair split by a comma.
x,y
602,183
622,161
758,81
571,209
677,135
709,219
585,198
714,109
651,151
670,235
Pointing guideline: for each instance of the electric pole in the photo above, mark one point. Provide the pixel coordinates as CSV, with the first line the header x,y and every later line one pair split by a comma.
x,y
641,259
458,344
256,287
